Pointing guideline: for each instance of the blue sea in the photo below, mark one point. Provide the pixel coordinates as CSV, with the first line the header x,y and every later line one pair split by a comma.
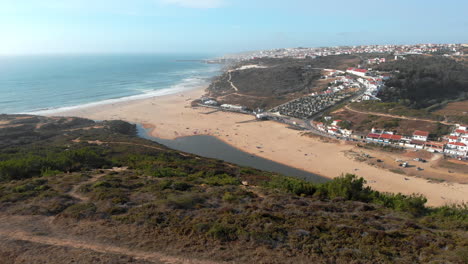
x,y
44,84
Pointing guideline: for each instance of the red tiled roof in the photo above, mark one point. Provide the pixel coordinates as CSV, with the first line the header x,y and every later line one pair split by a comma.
x,y
458,144
360,70
372,135
386,136
396,137
461,131
421,133
453,137
436,144
418,142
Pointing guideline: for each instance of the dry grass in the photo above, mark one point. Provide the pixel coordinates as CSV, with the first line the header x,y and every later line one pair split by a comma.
x,y
364,122
454,109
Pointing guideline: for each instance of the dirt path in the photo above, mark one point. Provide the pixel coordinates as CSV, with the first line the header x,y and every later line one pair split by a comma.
x,y
232,84
41,230
15,234
244,95
399,117
74,192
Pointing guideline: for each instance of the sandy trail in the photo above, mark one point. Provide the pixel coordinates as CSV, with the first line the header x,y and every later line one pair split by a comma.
x,y
15,234
74,192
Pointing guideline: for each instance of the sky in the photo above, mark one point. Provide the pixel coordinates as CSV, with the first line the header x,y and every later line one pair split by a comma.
x,y
223,26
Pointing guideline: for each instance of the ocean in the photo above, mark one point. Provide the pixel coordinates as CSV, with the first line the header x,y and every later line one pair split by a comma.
x,y
45,84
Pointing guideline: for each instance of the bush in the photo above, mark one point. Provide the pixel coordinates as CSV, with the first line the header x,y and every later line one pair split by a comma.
x,y
229,197
121,127
184,201
223,232
49,172
181,186
80,211
348,186
31,165
221,180
413,204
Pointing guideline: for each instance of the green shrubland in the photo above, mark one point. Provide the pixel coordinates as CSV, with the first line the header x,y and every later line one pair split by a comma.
x,y
191,203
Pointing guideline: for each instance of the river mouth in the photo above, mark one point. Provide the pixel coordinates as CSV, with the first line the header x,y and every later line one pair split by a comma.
x,y
211,147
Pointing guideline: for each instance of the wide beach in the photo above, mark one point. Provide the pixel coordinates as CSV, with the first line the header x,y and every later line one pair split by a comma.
x,y
172,116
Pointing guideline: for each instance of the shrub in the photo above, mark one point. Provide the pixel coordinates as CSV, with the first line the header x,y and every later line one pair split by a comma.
x,y
229,197
181,186
164,172
221,180
413,204
80,211
49,172
347,186
223,232
292,185
184,201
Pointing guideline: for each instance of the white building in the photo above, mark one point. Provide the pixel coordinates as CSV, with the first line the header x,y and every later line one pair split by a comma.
x,y
420,135
456,148
233,107
358,72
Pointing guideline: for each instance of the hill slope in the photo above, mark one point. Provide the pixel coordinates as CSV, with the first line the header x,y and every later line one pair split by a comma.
x,y
268,82
73,189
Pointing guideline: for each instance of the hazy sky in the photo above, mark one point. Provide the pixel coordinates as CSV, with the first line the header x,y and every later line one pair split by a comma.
x,y
221,26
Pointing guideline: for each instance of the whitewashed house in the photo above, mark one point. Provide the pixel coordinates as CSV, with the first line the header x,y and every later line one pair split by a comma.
x,y
420,135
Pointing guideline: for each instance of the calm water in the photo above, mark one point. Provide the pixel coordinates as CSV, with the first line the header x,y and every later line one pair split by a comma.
x,y
32,84
211,147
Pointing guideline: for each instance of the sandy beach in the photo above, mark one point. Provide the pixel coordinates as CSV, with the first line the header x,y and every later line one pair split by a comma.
x,y
171,116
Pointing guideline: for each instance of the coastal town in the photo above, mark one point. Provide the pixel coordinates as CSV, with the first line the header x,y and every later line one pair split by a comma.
x,y
396,50
355,84
454,145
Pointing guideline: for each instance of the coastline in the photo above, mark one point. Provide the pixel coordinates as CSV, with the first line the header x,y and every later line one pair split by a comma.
x,y
111,101
171,117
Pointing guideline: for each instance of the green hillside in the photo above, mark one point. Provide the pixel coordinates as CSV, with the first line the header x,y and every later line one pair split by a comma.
x,y
116,198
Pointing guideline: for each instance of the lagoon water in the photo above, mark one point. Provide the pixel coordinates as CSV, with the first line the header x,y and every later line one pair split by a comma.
x,y
211,147
43,84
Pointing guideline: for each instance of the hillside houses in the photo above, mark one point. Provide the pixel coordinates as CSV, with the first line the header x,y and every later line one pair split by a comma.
x,y
456,144
457,141
333,129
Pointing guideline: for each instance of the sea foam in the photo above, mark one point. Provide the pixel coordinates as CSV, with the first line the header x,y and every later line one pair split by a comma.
x,y
185,85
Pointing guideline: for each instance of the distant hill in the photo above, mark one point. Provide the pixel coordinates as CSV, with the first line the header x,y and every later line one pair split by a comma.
x,y
74,190
274,81
425,81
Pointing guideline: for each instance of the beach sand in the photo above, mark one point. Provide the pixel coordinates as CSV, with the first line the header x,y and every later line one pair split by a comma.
x,y
171,116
